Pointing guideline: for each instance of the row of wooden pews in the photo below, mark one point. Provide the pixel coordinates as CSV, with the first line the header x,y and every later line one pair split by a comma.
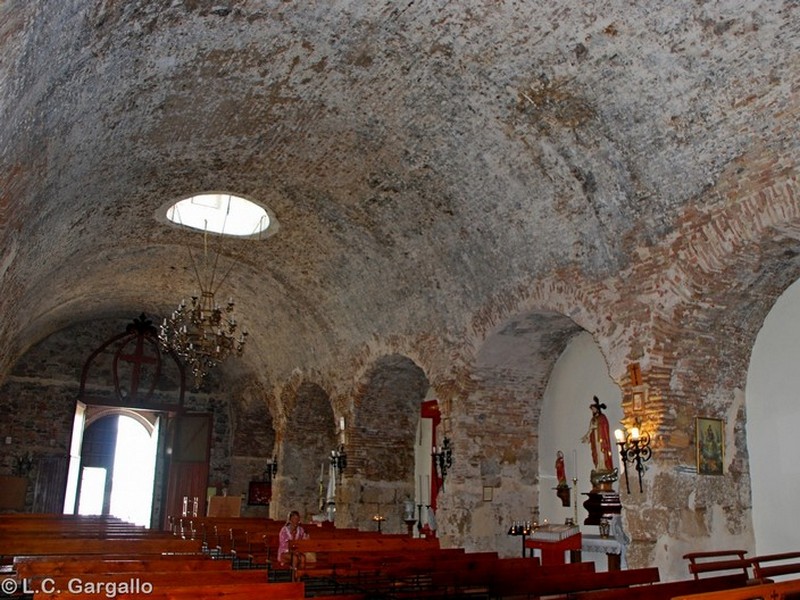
x,y
48,557
54,556
403,567
718,575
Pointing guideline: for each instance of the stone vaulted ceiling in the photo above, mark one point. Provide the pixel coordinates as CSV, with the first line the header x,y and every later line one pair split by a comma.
x,y
422,158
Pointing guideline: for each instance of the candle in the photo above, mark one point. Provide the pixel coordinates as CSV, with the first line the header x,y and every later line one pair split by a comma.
x,y
574,463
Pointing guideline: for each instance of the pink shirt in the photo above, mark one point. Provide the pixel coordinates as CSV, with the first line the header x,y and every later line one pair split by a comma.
x,y
285,536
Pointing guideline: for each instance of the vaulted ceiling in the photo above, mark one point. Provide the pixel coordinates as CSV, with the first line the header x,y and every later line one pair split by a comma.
x,y
421,158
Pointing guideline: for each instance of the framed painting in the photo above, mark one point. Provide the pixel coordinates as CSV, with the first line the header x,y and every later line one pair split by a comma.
x,y
259,493
639,397
710,442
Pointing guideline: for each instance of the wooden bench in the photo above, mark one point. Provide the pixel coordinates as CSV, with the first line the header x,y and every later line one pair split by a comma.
x,y
768,566
199,591
157,579
782,590
570,583
717,562
665,590
89,545
452,575
44,566
361,547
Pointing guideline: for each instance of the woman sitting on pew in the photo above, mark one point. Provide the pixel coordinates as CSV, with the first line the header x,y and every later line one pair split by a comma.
x,y
290,532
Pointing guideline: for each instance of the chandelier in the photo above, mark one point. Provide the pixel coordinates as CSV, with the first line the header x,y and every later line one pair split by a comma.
x,y
203,333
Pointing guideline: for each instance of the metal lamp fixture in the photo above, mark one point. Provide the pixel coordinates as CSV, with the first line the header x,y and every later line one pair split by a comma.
x,y
634,449
204,333
339,459
443,458
272,468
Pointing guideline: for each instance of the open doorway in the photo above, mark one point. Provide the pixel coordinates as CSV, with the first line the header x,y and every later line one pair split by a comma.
x,y
118,458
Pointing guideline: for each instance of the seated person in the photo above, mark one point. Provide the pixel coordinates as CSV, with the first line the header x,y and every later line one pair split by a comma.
x,y
289,532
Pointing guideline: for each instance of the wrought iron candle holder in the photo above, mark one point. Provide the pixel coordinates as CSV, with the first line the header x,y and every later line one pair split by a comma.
x,y
443,459
339,459
634,449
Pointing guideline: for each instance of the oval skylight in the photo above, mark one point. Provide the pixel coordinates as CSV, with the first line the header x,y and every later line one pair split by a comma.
x,y
220,213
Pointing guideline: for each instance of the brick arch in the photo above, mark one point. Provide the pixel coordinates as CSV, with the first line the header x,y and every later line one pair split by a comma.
x,y
706,308
385,413
511,369
307,437
697,304
381,433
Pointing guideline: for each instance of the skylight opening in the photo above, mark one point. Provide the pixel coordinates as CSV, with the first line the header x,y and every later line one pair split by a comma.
x,y
221,213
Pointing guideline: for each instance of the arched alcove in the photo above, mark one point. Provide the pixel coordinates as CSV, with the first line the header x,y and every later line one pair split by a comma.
x,y
308,438
773,419
252,445
381,444
579,374
496,428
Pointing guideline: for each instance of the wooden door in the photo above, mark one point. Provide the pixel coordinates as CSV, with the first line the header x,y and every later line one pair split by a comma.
x,y
188,463
51,481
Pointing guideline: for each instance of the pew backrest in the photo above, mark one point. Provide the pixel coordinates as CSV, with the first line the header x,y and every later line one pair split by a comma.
x,y
768,566
717,562
781,590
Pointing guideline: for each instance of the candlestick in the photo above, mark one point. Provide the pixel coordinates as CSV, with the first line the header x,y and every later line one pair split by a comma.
x,y
575,488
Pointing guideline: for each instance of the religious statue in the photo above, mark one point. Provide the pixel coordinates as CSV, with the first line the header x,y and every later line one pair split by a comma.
x,y
561,472
599,438
562,489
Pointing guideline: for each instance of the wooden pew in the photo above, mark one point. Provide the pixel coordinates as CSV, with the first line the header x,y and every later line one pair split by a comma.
x,y
717,562
91,567
781,590
89,545
348,549
139,579
444,568
768,566
449,576
666,590
44,566
199,591
571,583
496,575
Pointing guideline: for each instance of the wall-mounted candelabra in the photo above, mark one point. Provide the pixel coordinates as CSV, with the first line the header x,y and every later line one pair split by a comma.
x,y
634,449
443,459
271,469
339,459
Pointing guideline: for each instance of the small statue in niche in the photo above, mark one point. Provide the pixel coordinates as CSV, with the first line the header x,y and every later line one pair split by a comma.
x,y
562,489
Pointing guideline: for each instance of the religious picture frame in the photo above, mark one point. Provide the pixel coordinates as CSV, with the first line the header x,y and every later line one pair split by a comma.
x,y
259,493
639,397
710,445
488,493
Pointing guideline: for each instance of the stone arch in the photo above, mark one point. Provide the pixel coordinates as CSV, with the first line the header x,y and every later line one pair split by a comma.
x,y
772,417
253,441
307,438
380,444
500,450
145,419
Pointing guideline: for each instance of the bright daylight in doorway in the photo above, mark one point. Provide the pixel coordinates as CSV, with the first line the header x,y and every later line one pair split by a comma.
x,y
134,470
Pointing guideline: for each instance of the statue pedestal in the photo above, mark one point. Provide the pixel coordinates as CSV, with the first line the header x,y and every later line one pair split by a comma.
x,y
601,504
